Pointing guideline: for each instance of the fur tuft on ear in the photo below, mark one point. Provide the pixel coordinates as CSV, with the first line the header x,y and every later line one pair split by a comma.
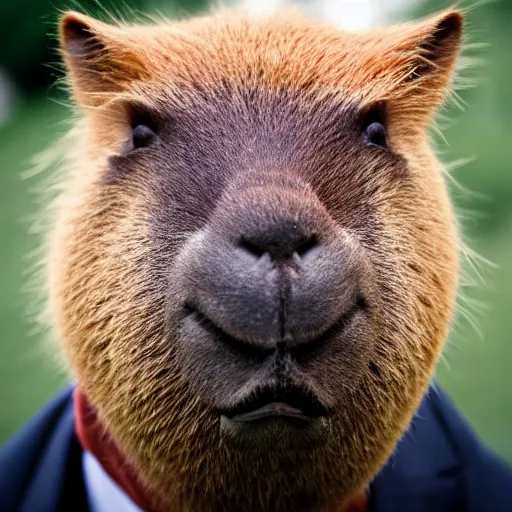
x,y
433,47
413,65
78,36
438,48
101,59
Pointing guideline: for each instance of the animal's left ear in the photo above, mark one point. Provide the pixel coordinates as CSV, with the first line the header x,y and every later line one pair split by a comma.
x,y
418,60
438,44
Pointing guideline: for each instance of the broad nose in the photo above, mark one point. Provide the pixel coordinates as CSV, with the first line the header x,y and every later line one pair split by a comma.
x,y
273,270
282,239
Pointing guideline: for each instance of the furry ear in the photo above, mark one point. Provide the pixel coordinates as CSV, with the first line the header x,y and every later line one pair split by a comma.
x,y
414,63
102,59
437,45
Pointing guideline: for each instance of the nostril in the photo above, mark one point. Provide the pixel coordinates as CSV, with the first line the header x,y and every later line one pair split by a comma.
x,y
281,248
251,248
305,246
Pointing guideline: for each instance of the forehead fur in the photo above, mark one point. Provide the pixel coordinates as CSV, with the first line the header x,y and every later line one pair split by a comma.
x,y
287,51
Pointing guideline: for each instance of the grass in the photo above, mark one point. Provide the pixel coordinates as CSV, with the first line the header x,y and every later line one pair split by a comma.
x,y
475,372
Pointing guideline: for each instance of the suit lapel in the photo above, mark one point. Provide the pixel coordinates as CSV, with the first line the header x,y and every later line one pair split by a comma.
x,y
426,471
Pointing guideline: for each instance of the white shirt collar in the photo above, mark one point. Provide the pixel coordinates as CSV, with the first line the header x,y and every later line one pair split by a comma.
x,y
103,494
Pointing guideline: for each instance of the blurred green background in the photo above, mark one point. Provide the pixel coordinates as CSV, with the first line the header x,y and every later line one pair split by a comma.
x,y
476,368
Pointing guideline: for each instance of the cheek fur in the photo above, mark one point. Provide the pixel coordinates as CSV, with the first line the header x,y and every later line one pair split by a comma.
x,y
417,258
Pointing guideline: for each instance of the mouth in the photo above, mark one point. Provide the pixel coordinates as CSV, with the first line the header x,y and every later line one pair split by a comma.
x,y
284,402
257,354
265,397
285,417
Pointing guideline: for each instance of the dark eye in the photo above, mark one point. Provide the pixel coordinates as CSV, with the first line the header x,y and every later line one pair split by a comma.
x,y
144,129
375,134
374,125
142,136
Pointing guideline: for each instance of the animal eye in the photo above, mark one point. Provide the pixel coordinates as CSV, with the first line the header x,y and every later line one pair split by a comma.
x,y
143,128
142,136
375,134
373,126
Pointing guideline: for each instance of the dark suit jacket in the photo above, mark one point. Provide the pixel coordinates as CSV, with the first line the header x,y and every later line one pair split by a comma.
x,y
438,466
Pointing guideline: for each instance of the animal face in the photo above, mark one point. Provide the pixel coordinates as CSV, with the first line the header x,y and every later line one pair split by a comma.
x,y
254,264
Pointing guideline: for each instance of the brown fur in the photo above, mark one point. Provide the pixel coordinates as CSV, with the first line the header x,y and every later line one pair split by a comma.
x,y
107,302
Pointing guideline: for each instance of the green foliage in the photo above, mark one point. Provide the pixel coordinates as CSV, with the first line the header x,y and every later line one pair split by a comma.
x,y
23,38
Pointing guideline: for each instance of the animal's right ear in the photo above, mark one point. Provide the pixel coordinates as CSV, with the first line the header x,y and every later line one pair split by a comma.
x,y
101,59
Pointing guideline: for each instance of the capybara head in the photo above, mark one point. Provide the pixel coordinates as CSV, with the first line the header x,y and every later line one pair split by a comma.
x,y
254,263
